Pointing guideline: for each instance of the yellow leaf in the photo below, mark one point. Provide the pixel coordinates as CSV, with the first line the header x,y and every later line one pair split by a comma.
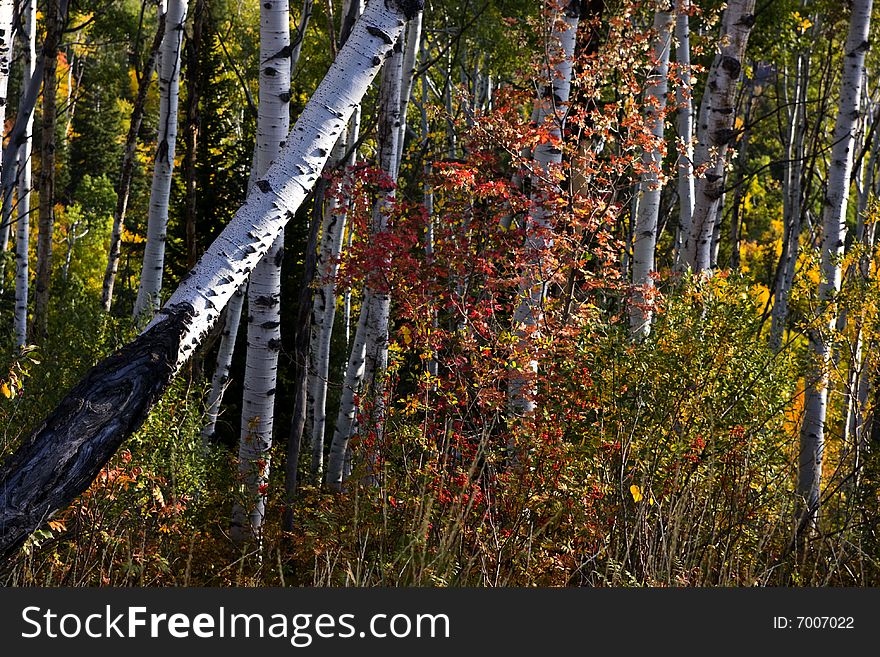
x,y
5,390
636,493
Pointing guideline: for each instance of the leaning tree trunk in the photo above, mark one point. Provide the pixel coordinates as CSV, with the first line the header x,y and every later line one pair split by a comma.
x,y
366,365
67,451
127,167
552,107
264,289
812,440
645,229
54,25
22,238
716,131
150,287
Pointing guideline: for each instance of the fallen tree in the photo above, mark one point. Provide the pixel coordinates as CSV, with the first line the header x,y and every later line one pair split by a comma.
x,y
67,451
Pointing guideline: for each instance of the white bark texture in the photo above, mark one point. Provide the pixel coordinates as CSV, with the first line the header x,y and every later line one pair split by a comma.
x,y
220,378
812,439
150,288
324,306
22,241
552,106
684,124
715,132
367,362
324,302
410,53
645,230
264,289
6,40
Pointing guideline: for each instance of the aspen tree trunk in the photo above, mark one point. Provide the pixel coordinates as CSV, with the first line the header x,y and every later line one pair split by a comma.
x,y
46,226
645,229
127,166
715,131
552,106
67,451
6,41
324,305
323,310
22,270
812,439
232,321
685,124
150,288
369,355
264,289
410,54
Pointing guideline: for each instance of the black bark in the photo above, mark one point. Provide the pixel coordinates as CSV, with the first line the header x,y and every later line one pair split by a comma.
x,y
64,455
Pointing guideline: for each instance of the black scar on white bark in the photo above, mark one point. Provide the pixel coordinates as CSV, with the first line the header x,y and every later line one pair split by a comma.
x,y
65,454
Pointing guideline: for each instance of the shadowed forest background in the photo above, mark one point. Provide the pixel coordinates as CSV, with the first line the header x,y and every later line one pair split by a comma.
x,y
586,295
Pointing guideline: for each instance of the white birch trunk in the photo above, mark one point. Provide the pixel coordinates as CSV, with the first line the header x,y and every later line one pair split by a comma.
x,y
326,268
685,125
812,439
324,306
6,41
410,53
22,269
645,229
552,106
264,289
715,132
220,378
150,288
367,362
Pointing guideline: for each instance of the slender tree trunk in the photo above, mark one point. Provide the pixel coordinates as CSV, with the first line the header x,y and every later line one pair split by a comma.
x,y
366,365
716,131
54,25
684,124
6,42
127,166
552,108
812,442
264,289
410,55
67,451
645,230
22,270
150,288
220,378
